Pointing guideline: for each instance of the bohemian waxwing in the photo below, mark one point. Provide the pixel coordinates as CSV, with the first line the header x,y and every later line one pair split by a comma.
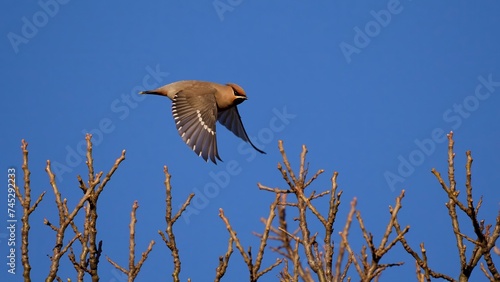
x,y
196,105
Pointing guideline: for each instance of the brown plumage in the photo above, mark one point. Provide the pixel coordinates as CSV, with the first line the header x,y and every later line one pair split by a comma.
x,y
197,105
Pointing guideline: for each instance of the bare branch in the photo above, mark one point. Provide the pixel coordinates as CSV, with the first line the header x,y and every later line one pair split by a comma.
x,y
133,268
224,261
25,202
170,241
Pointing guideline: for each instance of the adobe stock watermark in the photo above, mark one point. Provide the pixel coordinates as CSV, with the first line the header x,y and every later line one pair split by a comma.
x,y
454,116
121,108
223,6
118,276
221,179
364,35
31,26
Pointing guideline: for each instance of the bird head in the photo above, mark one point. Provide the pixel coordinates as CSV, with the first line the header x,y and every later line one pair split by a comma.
x,y
239,93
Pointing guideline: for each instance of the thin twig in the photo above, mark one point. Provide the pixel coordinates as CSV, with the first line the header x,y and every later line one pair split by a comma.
x,y
27,208
220,271
133,268
169,239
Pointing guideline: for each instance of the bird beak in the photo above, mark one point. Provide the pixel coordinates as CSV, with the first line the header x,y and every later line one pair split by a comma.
x,y
239,99
149,92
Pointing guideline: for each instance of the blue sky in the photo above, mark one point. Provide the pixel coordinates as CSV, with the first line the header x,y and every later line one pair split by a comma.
x,y
370,88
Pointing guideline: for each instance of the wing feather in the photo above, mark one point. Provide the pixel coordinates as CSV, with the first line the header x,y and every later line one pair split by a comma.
x,y
231,119
195,115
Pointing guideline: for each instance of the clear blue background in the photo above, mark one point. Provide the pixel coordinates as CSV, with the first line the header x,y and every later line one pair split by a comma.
x,y
362,114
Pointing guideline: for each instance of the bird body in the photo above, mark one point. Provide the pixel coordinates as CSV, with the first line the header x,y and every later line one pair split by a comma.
x,y
197,105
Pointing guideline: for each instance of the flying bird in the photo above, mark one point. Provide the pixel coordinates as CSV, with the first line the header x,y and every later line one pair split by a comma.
x,y
197,105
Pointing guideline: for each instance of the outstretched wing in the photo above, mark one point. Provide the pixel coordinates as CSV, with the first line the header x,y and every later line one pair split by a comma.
x,y
231,119
195,115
